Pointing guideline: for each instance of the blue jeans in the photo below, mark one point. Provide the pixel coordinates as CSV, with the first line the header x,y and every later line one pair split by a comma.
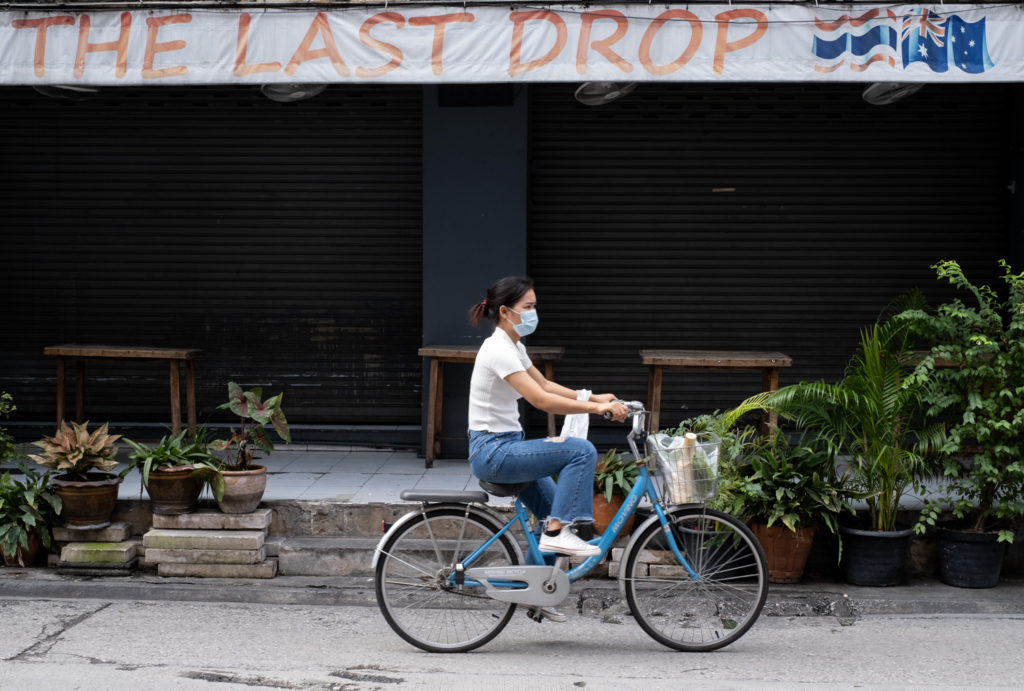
x,y
505,458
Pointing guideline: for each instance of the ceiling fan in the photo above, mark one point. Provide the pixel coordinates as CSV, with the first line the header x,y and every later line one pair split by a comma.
x,y
290,93
66,91
600,93
884,93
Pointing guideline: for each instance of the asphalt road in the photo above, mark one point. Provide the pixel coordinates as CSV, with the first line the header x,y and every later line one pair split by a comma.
x,y
136,645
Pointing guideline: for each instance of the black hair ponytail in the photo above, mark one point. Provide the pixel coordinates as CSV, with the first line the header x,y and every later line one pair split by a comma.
x,y
504,293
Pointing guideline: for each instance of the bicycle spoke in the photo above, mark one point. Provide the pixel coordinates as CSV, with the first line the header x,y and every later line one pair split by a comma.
x,y
419,599
706,613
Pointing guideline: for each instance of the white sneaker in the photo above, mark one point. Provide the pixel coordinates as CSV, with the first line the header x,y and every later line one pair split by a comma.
x,y
569,543
539,614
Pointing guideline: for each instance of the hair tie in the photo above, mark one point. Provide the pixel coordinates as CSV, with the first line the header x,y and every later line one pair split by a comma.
x,y
484,302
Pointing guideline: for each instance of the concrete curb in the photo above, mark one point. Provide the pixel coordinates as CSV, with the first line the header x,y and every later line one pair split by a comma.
x,y
593,597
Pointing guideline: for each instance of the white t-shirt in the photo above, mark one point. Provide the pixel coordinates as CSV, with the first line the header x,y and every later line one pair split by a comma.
x,y
493,403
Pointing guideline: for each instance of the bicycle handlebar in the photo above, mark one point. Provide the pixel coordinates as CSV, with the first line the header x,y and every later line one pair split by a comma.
x,y
634,407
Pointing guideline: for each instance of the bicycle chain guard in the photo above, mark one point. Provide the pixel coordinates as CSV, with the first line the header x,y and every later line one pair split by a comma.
x,y
524,585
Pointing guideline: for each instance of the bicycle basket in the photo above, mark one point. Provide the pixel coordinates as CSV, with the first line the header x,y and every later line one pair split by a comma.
x,y
687,466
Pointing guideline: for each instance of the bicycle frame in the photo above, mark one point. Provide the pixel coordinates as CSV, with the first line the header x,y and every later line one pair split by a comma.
x,y
644,486
695,579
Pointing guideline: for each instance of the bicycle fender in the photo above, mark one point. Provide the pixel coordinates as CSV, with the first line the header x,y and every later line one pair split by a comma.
x,y
474,511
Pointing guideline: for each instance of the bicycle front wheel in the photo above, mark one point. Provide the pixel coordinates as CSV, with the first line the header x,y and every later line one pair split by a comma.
x,y
415,586
709,611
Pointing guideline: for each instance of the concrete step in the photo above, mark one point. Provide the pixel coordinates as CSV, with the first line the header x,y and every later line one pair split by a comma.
x,y
170,539
206,556
265,569
293,518
326,556
99,552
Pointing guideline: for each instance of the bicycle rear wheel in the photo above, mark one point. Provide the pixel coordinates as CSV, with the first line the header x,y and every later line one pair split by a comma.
x,y
415,589
725,599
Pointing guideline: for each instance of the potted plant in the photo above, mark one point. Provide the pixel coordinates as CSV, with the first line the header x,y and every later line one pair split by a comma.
x,y
784,492
244,483
173,471
87,495
28,508
6,441
613,479
873,416
975,371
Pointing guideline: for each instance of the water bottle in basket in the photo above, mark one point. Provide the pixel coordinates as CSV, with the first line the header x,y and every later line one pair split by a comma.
x,y
688,466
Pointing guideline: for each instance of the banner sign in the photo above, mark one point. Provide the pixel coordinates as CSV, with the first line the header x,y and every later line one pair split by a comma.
x,y
450,44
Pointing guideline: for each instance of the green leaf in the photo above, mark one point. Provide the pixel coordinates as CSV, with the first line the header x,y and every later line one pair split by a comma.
x,y
236,400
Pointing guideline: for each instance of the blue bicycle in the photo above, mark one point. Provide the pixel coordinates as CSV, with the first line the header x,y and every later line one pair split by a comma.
x,y
449,576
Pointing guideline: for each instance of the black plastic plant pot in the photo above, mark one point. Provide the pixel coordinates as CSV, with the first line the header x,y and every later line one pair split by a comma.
x,y
874,558
970,560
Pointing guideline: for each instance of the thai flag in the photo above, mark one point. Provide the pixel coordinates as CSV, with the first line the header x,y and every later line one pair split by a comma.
x,y
859,41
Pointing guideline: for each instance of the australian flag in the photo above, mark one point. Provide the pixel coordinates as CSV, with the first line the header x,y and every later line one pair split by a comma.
x,y
944,42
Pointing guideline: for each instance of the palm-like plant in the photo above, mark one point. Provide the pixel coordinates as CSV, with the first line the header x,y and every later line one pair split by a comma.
x,y
874,415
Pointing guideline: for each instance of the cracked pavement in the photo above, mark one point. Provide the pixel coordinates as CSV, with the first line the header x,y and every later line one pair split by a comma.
x,y
136,645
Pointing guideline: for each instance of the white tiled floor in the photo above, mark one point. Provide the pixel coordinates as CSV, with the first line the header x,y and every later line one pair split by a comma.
x,y
358,475
350,475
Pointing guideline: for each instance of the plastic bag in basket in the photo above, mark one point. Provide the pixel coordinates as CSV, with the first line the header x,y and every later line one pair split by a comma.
x,y
688,466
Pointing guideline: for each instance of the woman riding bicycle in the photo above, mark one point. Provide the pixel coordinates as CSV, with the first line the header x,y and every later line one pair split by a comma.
x,y
502,374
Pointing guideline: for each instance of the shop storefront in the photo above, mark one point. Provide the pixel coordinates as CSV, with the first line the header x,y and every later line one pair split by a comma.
x,y
742,196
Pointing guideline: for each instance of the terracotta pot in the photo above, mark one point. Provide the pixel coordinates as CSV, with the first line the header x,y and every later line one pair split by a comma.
x,y
785,551
604,513
243,489
172,491
87,503
26,556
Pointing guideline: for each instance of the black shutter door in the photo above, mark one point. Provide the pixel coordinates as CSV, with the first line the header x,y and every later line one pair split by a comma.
x,y
751,217
284,240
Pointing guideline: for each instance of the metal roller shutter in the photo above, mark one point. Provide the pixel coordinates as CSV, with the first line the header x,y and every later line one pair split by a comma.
x,y
751,217
284,240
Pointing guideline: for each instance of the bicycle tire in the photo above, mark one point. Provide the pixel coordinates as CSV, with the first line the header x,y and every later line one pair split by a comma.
x,y
414,591
719,606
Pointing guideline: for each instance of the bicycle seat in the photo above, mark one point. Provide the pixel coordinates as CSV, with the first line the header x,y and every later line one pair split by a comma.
x,y
505,490
443,495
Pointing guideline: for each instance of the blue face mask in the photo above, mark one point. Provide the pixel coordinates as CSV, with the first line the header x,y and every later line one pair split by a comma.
x,y
528,324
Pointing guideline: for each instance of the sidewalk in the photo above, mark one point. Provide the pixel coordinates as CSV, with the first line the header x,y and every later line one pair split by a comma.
x,y
355,477
343,474
359,476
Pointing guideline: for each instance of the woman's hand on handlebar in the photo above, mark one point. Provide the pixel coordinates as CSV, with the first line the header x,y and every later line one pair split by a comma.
x,y
613,410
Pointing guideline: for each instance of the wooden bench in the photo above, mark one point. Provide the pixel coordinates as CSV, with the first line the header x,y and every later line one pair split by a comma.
x,y
659,360
173,356
439,356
